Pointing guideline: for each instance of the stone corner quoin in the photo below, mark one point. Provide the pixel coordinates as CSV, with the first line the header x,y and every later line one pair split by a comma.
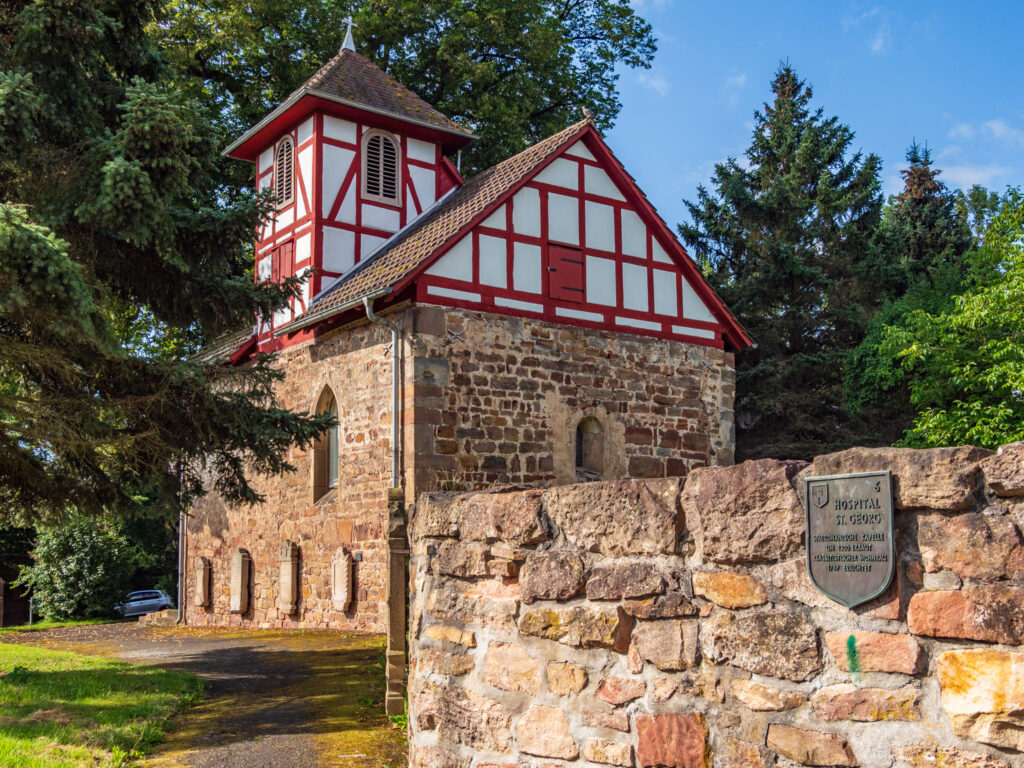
x,y
671,622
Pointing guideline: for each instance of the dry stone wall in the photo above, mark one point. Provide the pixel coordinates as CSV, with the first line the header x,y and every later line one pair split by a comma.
x,y
671,622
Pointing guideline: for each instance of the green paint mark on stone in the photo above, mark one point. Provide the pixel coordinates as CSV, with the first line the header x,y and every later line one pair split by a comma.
x,y
853,658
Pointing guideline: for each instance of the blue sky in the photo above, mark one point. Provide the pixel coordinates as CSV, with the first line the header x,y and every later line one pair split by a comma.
x,y
944,72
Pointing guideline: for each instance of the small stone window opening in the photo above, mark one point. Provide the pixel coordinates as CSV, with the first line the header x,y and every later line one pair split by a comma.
x,y
284,172
325,450
589,449
381,168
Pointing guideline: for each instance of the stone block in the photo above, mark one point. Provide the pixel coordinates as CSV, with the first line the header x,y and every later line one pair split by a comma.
x,y
747,513
544,731
607,752
774,643
972,545
440,662
1004,471
982,692
875,651
580,626
465,560
810,747
489,603
616,720
565,679
921,756
619,517
241,567
672,741
625,580
850,702
450,635
942,479
432,756
791,580
672,605
461,716
729,590
511,668
992,614
512,517
618,690
288,577
765,698
739,754
551,575
669,644
664,689
341,580
201,595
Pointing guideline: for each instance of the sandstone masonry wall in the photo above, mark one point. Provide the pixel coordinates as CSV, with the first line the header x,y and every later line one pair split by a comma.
x,y
671,622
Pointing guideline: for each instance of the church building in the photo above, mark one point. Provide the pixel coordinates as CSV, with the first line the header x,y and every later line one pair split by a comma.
x,y
536,324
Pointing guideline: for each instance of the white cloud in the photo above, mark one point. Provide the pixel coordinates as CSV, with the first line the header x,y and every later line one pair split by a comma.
x,y
653,81
1000,130
962,131
883,39
731,88
968,175
643,6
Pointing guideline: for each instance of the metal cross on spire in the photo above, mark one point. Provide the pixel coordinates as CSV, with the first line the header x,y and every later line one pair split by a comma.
x,y
349,43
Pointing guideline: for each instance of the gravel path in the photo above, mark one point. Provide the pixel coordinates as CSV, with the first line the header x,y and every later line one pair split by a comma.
x,y
265,704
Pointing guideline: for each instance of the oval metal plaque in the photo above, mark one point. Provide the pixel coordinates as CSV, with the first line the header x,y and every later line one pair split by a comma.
x,y
850,552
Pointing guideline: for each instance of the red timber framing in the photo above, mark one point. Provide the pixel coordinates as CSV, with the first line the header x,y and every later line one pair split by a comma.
x,y
330,226
646,286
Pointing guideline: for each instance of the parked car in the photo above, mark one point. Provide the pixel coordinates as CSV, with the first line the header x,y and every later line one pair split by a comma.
x,y
144,601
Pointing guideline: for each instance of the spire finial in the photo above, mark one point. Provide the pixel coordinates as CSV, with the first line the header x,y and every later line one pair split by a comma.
x,y
349,43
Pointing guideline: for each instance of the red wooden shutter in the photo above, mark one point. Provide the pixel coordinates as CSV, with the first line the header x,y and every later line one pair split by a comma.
x,y
281,264
565,273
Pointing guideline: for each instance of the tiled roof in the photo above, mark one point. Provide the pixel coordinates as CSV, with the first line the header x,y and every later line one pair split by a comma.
x,y
448,220
354,78
220,349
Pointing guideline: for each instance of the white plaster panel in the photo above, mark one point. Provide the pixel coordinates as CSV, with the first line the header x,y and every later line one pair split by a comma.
x,y
493,261
526,212
284,218
665,293
368,245
579,314
282,316
598,182
339,130
347,210
658,253
632,322
451,294
634,235
302,248
457,264
420,150
525,306
339,249
580,150
306,287
600,226
305,131
266,160
526,268
423,183
264,182
700,332
634,287
496,220
337,161
600,281
387,219
306,174
564,219
693,307
263,269
561,173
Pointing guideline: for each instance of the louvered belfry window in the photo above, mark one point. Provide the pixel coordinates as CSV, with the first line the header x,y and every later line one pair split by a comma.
x,y
284,172
381,168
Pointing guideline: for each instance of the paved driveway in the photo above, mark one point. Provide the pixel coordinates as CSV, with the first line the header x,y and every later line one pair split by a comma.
x,y
275,699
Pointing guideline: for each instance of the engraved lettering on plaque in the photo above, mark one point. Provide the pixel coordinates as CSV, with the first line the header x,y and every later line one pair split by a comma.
x,y
850,551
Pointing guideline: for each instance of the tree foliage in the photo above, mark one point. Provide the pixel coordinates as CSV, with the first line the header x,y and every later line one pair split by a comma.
x,y
82,568
966,365
514,71
782,237
118,250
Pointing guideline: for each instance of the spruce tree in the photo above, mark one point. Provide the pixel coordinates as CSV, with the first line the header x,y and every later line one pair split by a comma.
x,y
782,237
118,253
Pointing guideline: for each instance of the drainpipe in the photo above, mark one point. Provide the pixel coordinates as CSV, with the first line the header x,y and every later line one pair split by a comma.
x,y
181,566
394,387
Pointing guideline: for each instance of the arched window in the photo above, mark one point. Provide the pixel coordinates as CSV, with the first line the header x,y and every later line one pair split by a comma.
x,y
589,449
381,168
325,450
284,172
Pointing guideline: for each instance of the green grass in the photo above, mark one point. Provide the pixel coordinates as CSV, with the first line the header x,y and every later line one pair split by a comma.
x,y
64,710
47,624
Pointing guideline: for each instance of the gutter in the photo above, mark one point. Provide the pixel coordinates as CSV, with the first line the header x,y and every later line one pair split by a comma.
x,y
395,362
315,317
